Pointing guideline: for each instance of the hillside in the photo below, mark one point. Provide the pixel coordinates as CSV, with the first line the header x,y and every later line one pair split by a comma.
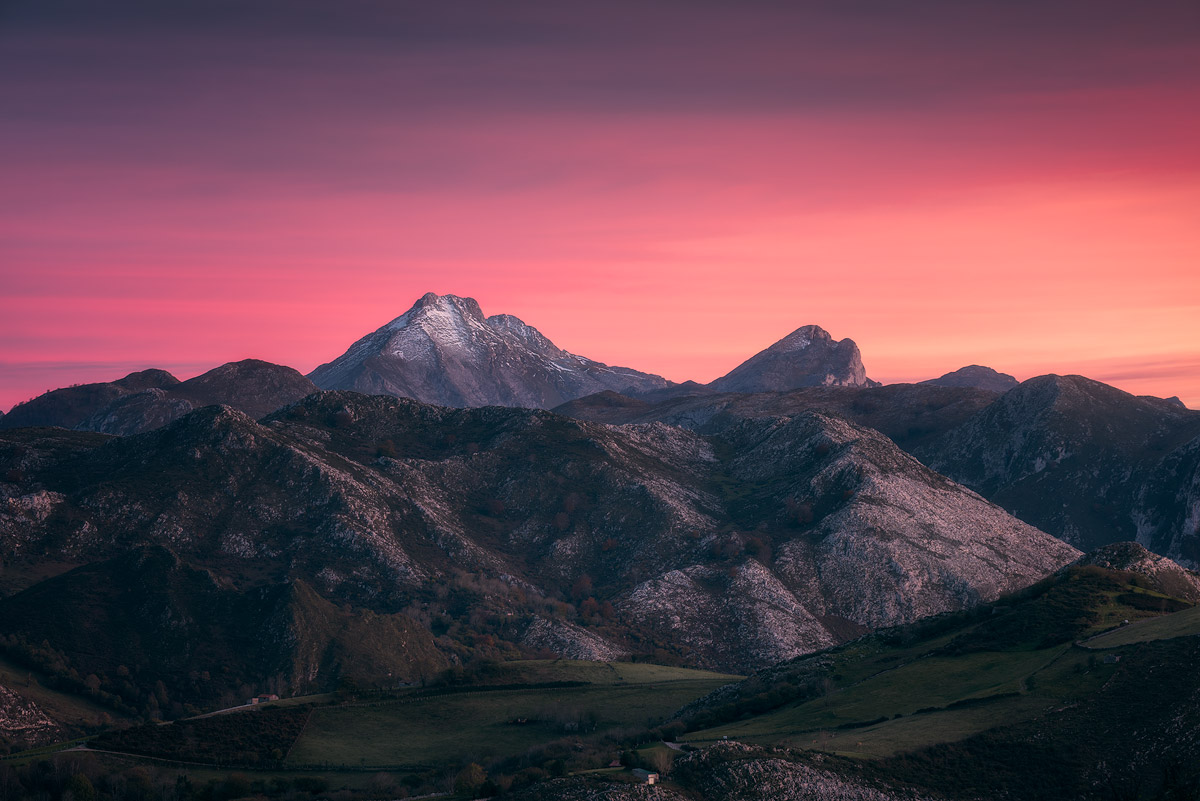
x,y
997,702
1083,461
1014,699
506,531
1073,457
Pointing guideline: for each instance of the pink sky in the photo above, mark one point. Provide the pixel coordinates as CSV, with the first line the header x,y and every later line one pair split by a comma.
x,y
976,187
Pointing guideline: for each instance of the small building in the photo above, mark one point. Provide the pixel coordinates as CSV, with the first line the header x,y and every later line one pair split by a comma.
x,y
645,776
262,699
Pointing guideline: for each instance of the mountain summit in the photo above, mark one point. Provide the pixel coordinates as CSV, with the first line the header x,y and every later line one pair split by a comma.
x,y
975,375
445,351
807,357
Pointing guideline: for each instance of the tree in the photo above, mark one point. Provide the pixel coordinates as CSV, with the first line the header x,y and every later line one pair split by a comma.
x,y
660,760
582,588
80,787
470,778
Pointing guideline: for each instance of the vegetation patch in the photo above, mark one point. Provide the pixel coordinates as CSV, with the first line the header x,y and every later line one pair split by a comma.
x,y
259,737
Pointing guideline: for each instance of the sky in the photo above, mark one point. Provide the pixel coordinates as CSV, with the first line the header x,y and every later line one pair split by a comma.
x,y
669,186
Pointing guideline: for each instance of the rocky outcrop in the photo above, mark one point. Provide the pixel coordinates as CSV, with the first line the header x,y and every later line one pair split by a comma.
x,y
807,357
569,641
977,376
1165,575
23,723
749,773
444,351
729,772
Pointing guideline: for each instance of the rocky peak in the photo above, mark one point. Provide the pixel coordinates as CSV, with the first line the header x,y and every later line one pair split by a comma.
x,y
807,357
444,351
146,379
437,309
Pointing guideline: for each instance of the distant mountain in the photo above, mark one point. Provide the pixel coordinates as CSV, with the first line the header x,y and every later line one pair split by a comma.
x,y
71,406
152,398
772,539
907,413
975,376
1076,458
1085,462
444,351
807,357
251,386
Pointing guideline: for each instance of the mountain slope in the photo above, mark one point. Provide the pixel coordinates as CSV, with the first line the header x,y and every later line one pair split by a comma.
x,y
1074,457
153,618
444,351
775,538
807,357
1081,460
997,702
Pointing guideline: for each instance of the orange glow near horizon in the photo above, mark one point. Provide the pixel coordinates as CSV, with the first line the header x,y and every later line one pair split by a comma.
x,y
940,204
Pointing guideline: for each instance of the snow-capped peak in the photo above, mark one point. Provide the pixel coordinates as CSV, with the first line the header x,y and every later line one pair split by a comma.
x,y
443,350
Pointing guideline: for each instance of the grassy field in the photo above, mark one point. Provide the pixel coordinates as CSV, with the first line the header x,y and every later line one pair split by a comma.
x,y
480,724
898,694
888,695
1179,624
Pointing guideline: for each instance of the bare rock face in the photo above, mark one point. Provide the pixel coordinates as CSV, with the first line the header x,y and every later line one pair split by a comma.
x,y
569,641
24,723
749,773
807,357
977,376
444,351
1167,506
888,539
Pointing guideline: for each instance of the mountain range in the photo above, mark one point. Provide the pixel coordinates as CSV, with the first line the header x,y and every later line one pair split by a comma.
x,y
414,506
774,538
